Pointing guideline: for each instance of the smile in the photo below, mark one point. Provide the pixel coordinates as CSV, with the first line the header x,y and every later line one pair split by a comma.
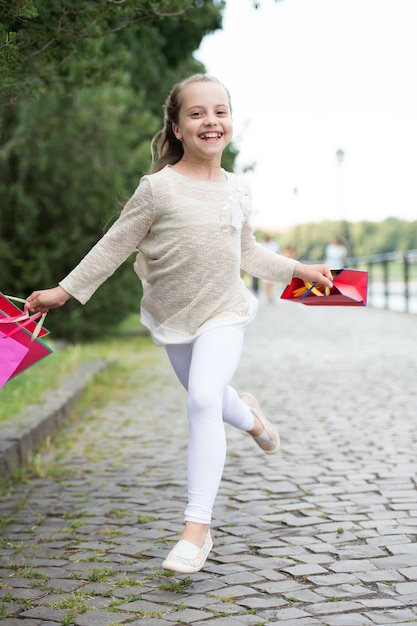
x,y
211,136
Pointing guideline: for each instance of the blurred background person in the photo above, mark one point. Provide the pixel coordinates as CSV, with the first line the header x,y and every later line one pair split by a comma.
x,y
272,245
336,254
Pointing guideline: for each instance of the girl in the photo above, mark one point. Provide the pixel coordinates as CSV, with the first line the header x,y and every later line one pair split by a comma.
x,y
189,219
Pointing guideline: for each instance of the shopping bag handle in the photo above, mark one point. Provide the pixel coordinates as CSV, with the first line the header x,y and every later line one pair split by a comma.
x,y
15,298
24,317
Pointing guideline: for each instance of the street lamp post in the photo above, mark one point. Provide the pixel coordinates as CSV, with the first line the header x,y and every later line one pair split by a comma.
x,y
297,239
340,155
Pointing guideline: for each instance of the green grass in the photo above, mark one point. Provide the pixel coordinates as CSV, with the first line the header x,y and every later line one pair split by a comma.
x,y
32,386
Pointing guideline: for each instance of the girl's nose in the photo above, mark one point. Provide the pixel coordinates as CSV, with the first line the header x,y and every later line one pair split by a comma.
x,y
210,119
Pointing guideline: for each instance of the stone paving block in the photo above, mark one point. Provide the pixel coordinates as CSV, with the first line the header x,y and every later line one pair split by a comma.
x,y
283,551
290,613
297,521
360,552
316,559
403,548
306,569
45,614
345,591
217,608
352,565
271,574
195,601
187,616
151,621
100,618
143,607
379,575
380,603
410,599
306,595
11,621
336,538
409,572
208,585
394,616
351,619
262,601
303,621
240,578
396,562
234,591
406,588
410,521
334,579
224,568
222,621
387,540
327,608
321,546
230,548
10,608
286,586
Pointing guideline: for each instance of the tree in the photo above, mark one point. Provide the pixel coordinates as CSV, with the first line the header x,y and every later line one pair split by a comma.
x,y
73,43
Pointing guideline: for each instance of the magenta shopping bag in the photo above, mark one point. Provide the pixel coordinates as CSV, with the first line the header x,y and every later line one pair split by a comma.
x,y
25,329
12,353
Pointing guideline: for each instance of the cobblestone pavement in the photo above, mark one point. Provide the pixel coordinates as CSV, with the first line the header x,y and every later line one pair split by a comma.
x,y
323,533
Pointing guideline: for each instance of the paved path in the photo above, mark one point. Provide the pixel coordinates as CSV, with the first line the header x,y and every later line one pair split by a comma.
x,y
324,533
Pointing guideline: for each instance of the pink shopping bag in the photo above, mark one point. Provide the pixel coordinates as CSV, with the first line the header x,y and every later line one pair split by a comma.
x,y
26,330
12,353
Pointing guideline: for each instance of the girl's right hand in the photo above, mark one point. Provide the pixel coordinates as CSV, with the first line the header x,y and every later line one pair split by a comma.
x,y
316,273
42,301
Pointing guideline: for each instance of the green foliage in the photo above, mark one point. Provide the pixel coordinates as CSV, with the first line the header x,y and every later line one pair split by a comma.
x,y
73,44
63,173
363,238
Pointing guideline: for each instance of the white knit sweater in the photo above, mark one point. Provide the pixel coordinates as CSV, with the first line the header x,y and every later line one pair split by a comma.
x,y
193,239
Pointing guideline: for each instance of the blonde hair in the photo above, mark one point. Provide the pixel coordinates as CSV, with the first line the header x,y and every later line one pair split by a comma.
x,y
166,149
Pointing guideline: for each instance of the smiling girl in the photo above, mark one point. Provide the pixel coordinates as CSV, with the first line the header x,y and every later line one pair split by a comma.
x,y
190,222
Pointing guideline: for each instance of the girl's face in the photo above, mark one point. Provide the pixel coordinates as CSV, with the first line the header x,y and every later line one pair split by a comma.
x,y
204,122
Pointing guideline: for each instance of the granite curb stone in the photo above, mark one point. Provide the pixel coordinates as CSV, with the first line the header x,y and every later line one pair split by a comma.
x,y
19,440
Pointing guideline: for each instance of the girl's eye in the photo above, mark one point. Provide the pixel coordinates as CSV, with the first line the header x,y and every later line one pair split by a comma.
x,y
195,114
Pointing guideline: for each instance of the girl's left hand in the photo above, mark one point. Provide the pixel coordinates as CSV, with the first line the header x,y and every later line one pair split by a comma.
x,y
314,273
42,300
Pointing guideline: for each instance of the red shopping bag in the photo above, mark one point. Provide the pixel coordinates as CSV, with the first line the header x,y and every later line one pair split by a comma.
x,y
25,329
8,309
350,288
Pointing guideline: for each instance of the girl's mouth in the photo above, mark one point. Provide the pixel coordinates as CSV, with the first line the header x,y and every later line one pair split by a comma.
x,y
213,136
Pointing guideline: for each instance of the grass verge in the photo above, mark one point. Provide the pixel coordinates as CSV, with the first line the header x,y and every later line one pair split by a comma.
x,y
32,386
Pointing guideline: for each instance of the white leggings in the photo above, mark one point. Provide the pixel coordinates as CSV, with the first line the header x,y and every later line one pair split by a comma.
x,y
205,367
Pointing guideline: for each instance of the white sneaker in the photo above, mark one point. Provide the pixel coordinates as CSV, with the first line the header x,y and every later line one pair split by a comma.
x,y
186,558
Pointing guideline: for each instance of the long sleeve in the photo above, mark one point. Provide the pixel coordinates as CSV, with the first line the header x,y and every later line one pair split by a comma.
x,y
263,263
114,247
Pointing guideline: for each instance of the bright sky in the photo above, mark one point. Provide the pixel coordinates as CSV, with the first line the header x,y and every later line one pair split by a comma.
x,y
309,78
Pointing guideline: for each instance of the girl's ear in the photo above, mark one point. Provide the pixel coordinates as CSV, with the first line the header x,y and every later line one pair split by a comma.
x,y
176,131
